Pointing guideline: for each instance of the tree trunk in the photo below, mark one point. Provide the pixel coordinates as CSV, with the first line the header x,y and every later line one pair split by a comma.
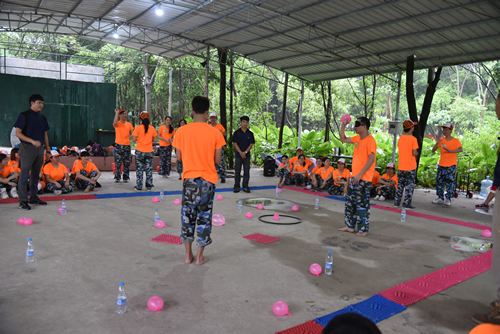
x,y
181,94
207,70
231,95
328,111
283,113
147,84
374,89
222,53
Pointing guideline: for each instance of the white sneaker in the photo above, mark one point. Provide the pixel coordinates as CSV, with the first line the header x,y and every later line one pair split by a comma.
x,y
13,193
57,192
437,200
381,198
447,202
377,198
3,193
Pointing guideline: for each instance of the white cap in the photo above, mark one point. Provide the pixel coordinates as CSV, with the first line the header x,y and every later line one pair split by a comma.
x,y
212,114
54,153
341,160
299,148
447,125
390,165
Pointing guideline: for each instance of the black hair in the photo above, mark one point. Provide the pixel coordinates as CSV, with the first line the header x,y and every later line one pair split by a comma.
x,y
323,159
200,104
2,156
35,97
182,120
407,130
245,118
84,154
145,122
365,121
351,323
170,127
284,156
301,155
13,153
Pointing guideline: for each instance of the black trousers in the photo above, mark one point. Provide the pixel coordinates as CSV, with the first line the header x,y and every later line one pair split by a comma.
x,y
238,162
31,161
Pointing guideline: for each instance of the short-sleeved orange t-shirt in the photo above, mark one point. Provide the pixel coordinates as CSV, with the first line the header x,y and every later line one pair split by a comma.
x,y
219,127
197,143
406,145
376,177
55,173
394,178
78,166
6,171
299,168
144,140
448,159
337,175
316,170
14,165
283,165
122,133
362,149
326,173
486,329
294,159
163,132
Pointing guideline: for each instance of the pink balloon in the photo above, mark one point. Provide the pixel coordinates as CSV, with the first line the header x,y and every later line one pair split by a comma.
x,y
486,233
295,208
346,119
260,206
219,197
25,221
160,224
60,211
177,201
218,219
315,269
276,216
249,215
155,304
280,308
155,200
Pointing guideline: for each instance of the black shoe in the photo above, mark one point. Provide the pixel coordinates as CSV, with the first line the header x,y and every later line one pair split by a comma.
x,y
37,200
117,180
246,189
222,180
98,185
409,206
236,190
125,180
137,189
24,205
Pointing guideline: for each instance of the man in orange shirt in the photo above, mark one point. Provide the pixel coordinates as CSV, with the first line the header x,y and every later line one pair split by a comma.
x,y
199,147
388,184
221,168
407,165
143,135
357,206
166,136
121,152
447,168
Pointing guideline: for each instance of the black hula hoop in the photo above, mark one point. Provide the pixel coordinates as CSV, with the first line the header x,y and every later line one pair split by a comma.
x,y
276,223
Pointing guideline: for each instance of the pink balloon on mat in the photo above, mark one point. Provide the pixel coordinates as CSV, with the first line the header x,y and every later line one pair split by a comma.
x,y
315,269
346,119
280,308
260,206
249,215
219,197
276,216
486,233
160,224
155,200
218,219
155,304
25,221
177,201
295,208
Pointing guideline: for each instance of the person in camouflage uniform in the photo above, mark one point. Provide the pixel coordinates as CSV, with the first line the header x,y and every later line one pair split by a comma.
x,y
284,172
121,152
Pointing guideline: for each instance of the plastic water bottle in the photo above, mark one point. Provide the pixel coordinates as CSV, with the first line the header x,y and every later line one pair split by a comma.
x,y
316,203
277,192
239,206
485,187
403,215
466,244
162,195
156,216
30,251
329,262
64,209
121,300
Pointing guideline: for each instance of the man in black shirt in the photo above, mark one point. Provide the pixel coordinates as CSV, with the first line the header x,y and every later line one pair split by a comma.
x,y
32,129
243,141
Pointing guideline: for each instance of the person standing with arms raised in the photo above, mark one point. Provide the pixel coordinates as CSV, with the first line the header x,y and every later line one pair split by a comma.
x,y
199,147
32,130
243,141
121,153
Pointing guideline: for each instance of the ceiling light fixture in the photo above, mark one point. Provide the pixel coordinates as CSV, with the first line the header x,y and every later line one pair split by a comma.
x,y
159,11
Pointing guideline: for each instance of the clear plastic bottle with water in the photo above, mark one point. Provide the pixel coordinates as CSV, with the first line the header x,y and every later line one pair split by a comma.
x,y
239,206
485,186
329,262
162,195
156,216
30,251
63,209
316,203
403,215
121,300
277,192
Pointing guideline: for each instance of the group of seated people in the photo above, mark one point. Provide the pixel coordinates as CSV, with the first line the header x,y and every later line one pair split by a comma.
x,y
54,177
320,175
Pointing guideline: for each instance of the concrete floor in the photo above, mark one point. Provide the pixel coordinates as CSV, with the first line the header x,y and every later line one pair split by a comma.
x,y
81,258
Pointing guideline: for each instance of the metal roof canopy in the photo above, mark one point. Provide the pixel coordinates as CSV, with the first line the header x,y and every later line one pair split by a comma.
x,y
311,39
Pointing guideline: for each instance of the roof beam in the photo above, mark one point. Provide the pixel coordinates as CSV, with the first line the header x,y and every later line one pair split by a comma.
x,y
102,16
69,13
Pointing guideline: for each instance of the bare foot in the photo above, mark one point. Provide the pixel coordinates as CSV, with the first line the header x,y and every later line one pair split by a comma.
x,y
188,259
346,229
361,234
200,260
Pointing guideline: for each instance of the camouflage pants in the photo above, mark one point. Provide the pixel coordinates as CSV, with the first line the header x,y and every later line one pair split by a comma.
x,y
196,212
298,179
123,156
83,184
284,174
179,167
165,160
336,190
51,187
357,206
221,168
144,162
329,182
445,180
406,185
387,191
8,187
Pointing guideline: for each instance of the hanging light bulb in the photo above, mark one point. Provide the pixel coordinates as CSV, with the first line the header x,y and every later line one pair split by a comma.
x,y
159,11
115,35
